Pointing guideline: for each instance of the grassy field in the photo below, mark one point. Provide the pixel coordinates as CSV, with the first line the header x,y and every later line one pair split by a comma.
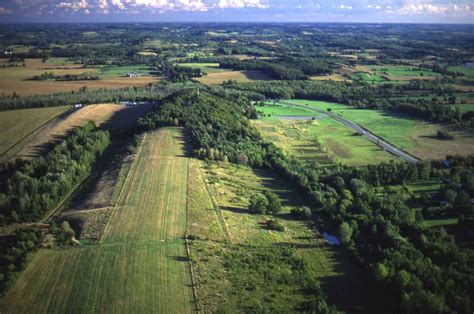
x,y
409,133
205,67
16,125
239,76
141,270
284,110
18,79
438,222
323,141
223,208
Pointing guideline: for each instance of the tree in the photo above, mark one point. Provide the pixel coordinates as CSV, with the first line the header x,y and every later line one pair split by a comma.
x,y
274,203
258,203
345,232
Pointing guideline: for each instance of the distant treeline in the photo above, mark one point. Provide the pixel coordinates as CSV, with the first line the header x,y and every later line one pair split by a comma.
x,y
38,185
67,77
385,96
419,270
281,69
86,96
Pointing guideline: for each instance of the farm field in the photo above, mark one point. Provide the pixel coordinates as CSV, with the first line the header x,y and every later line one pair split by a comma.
x,y
322,140
58,128
18,80
205,67
140,271
411,134
16,125
229,187
239,76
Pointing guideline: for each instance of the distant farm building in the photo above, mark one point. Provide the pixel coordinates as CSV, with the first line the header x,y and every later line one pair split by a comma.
x,y
8,52
78,105
132,74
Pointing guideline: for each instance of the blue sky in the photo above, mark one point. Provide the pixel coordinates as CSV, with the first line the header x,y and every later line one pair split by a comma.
x,y
385,11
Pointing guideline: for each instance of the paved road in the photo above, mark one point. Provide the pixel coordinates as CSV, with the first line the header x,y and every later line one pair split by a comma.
x,y
366,133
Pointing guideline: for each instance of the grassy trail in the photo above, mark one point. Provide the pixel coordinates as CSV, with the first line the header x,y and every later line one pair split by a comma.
x,y
140,266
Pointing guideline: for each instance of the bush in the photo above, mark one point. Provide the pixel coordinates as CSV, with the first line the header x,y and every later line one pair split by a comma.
x,y
274,203
275,225
258,203
444,135
303,212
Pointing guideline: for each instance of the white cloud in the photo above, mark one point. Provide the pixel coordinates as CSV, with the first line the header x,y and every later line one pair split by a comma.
x,y
415,7
81,5
118,4
345,7
5,11
238,4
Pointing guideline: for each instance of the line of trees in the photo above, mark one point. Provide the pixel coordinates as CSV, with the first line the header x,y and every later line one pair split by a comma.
x,y
40,184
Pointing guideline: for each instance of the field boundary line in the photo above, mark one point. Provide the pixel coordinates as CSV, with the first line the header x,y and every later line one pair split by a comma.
x,y
114,208
188,249
217,208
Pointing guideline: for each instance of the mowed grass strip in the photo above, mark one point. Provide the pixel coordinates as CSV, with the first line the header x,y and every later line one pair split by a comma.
x,y
153,203
16,125
139,278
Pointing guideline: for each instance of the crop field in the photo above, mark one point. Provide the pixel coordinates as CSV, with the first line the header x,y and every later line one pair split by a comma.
x,y
239,76
322,140
411,134
205,67
58,128
16,125
19,80
130,271
230,186
154,204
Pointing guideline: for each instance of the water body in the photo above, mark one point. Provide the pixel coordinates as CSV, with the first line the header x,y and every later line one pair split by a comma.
x,y
332,240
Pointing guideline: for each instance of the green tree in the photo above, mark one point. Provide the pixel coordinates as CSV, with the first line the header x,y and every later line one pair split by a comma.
x,y
258,203
345,232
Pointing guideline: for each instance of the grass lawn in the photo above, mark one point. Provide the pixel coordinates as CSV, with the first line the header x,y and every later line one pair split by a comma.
x,y
367,77
407,132
284,110
141,263
16,125
436,222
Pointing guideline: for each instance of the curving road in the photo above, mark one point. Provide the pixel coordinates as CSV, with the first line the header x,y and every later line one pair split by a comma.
x,y
361,130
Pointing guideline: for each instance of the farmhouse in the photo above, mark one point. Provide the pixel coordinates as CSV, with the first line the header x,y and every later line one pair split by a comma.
x,y
8,52
78,105
132,74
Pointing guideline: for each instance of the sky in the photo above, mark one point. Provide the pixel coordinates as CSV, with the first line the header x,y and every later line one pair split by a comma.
x,y
379,11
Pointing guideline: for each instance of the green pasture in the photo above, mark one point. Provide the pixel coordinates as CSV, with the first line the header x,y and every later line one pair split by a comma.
x,y
205,67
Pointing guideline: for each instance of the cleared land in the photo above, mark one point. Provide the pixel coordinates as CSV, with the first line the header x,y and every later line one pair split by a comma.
x,y
205,67
322,140
404,131
225,204
142,271
16,125
239,76
18,79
